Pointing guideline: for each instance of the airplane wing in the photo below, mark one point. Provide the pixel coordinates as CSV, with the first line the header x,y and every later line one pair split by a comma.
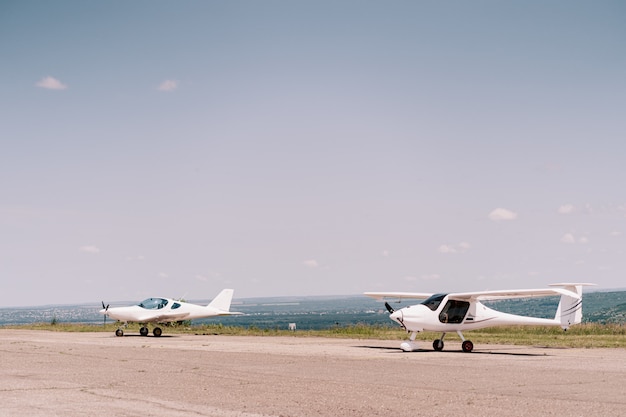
x,y
398,295
506,294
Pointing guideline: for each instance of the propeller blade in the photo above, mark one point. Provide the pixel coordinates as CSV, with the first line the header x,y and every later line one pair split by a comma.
x,y
105,313
389,308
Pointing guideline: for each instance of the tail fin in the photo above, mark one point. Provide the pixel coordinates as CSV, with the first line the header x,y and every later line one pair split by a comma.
x,y
222,301
570,309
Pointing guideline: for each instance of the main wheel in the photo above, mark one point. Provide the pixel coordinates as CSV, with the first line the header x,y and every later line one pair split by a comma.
x,y
157,332
467,346
119,333
143,331
438,345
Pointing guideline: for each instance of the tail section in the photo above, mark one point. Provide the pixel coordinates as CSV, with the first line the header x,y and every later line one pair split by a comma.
x,y
222,301
570,309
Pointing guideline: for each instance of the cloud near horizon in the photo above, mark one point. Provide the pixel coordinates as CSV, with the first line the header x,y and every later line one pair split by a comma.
x,y
51,83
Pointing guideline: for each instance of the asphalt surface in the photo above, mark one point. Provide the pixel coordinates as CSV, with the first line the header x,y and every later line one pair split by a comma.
x,y
77,374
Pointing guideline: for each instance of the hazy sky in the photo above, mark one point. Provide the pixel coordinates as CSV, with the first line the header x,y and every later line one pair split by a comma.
x,y
309,147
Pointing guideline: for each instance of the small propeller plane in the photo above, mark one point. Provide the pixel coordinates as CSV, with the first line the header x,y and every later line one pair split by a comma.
x,y
457,312
165,310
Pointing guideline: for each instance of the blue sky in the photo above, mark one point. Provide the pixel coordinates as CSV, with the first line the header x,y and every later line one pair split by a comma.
x,y
309,148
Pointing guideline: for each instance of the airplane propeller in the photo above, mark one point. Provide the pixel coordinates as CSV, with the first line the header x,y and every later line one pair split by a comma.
x,y
389,308
105,312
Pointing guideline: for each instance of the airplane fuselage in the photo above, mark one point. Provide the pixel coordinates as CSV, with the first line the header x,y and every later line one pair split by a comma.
x,y
160,310
472,316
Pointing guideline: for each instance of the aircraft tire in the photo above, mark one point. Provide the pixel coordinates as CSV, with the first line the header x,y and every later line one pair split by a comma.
x,y
143,331
157,332
467,346
438,345
119,333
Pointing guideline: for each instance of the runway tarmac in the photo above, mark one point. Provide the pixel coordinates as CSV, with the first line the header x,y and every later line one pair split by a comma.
x,y
78,374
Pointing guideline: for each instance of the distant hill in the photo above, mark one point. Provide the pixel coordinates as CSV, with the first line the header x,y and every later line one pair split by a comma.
x,y
598,307
605,307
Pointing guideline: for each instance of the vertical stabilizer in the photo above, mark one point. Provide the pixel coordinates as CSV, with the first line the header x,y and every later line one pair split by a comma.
x,y
570,309
222,301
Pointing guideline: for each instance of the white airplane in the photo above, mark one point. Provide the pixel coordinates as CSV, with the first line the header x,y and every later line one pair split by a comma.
x,y
165,310
457,312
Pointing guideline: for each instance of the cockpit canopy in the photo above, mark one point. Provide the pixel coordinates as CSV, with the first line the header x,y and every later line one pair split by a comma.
x,y
433,301
153,303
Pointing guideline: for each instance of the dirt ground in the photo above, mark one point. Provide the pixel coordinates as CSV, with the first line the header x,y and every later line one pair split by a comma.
x,y
77,374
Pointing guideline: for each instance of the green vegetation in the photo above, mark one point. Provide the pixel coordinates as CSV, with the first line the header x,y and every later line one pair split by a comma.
x,y
589,335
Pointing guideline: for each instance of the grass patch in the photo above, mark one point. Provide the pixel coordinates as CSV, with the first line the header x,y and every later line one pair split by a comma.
x,y
589,335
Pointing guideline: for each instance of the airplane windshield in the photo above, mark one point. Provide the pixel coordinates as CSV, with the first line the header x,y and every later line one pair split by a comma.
x,y
433,301
153,303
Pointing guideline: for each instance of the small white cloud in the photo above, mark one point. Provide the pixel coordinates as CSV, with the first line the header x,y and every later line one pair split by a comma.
x,y
501,214
168,85
569,238
446,249
566,209
615,233
201,278
163,275
385,253
89,249
410,278
452,249
310,263
137,258
51,83
431,277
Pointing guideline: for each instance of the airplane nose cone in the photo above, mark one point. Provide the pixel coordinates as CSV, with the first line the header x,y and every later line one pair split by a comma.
x,y
396,316
103,311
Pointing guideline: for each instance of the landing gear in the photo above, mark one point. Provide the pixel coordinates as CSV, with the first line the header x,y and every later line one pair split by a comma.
x,y
438,343
411,345
467,346
143,330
